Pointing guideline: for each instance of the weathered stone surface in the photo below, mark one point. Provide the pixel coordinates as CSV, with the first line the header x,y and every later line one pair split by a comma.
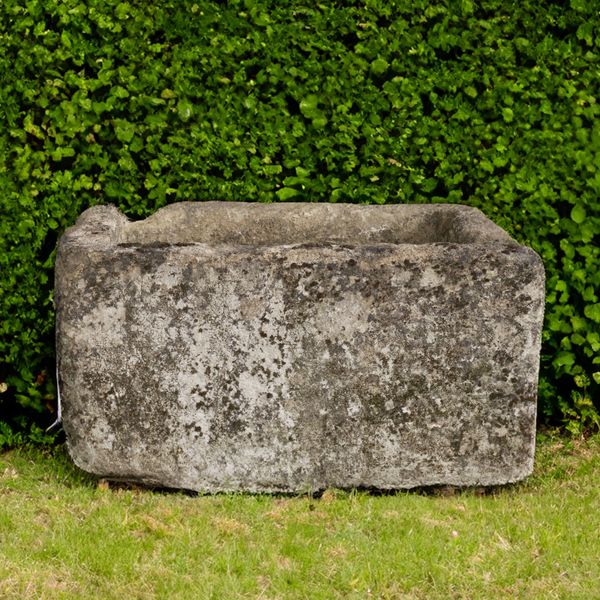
x,y
231,346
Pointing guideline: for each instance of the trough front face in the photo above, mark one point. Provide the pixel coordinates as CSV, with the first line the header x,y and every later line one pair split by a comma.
x,y
287,347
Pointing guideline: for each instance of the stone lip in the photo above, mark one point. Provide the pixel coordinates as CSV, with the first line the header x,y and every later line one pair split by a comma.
x,y
226,346
257,224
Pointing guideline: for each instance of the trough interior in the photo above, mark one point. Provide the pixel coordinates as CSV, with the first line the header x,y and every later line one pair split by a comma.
x,y
310,223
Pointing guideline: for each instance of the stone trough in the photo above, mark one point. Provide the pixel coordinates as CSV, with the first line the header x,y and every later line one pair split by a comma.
x,y
291,347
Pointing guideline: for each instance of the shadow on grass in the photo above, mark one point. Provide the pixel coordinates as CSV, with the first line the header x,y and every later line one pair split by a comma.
x,y
555,456
434,491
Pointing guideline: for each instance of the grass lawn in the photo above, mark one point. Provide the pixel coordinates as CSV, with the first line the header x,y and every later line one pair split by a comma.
x,y
63,535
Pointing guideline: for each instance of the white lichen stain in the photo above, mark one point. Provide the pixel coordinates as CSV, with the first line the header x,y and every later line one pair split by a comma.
x,y
354,407
105,321
344,318
429,278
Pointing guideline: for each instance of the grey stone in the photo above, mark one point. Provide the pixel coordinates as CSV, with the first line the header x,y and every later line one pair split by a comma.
x,y
286,347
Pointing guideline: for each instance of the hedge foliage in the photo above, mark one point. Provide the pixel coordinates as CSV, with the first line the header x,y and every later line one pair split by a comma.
x,y
142,103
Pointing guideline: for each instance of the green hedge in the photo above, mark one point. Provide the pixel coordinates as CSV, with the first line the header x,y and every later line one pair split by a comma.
x,y
142,103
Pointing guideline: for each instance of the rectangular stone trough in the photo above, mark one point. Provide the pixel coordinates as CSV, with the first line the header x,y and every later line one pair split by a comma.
x,y
291,347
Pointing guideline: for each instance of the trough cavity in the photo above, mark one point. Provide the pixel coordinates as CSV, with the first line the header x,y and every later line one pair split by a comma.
x,y
303,223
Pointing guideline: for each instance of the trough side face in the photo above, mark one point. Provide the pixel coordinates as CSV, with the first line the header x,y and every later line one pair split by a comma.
x,y
217,366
